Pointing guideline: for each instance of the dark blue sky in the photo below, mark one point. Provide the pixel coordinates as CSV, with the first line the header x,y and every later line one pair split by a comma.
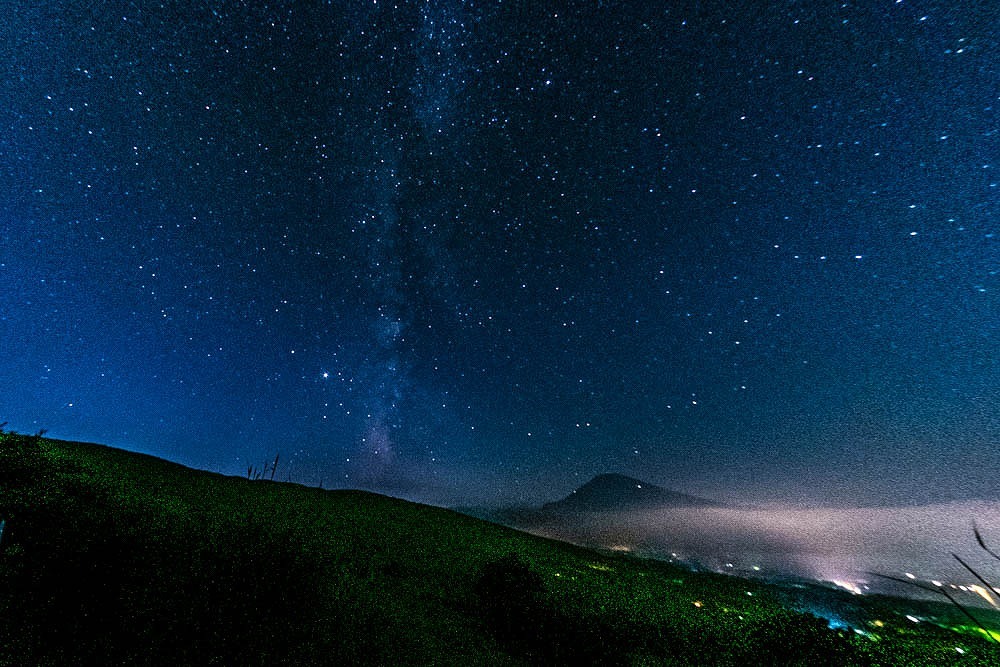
x,y
470,250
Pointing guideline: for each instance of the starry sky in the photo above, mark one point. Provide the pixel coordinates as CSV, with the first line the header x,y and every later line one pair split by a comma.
x,y
470,251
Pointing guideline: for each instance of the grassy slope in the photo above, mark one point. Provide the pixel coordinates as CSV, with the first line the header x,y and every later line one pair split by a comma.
x,y
110,557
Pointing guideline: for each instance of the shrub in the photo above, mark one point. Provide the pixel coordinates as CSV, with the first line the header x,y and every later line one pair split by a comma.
x,y
514,606
510,595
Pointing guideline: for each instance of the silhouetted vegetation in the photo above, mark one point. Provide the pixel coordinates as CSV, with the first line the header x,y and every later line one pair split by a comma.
x,y
253,473
943,591
514,608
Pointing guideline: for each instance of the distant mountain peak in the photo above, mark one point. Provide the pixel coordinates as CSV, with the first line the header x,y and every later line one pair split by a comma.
x,y
615,479
615,492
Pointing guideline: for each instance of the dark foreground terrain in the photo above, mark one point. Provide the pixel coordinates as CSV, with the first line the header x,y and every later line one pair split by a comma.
x,y
109,557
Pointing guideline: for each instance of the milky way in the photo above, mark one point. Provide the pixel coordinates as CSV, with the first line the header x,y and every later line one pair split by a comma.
x,y
467,251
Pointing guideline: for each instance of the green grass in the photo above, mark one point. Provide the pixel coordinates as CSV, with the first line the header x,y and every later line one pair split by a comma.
x,y
110,557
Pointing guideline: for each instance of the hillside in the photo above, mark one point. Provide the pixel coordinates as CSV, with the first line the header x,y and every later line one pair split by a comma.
x,y
109,557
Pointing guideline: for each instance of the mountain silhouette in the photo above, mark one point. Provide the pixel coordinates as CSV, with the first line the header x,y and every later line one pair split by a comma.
x,y
614,492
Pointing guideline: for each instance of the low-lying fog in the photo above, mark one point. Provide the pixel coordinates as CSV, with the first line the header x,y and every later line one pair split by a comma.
x,y
825,544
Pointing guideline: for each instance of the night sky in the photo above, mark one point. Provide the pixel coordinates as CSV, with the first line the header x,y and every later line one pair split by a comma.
x,y
476,251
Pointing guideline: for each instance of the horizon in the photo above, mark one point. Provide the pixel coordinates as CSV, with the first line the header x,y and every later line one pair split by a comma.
x,y
463,251
733,502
